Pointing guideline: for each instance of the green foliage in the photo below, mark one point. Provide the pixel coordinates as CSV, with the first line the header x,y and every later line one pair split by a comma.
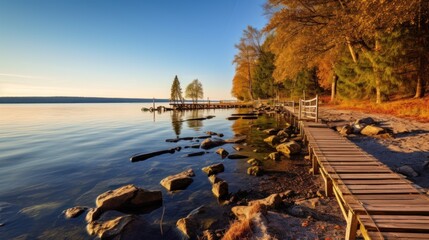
x,y
176,91
263,82
194,90
306,82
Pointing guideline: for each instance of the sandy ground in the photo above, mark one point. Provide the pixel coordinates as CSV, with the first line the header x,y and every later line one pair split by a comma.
x,y
408,144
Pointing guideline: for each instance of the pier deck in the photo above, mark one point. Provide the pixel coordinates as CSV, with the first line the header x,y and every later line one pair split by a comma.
x,y
372,198
215,105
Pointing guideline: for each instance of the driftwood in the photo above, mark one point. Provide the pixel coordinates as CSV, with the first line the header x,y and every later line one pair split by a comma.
x,y
145,156
187,138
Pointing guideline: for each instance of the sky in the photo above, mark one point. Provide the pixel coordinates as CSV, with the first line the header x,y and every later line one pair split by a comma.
x,y
113,48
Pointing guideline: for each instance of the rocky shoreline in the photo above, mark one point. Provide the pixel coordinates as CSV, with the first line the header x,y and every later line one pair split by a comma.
x,y
285,202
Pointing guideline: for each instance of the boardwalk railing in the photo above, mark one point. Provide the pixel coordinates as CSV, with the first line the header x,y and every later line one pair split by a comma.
x,y
309,109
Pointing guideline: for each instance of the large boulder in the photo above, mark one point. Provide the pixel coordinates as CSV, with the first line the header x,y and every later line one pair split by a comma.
x,y
126,227
179,181
272,140
289,148
213,169
109,229
211,143
271,202
371,130
128,197
198,220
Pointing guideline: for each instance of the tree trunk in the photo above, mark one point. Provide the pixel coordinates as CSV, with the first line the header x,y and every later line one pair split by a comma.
x,y
334,87
377,74
250,81
351,50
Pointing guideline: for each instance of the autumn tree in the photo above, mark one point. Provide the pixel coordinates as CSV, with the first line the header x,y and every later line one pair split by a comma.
x,y
194,90
249,49
307,31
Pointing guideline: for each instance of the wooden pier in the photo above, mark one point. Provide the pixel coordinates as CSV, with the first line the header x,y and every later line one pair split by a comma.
x,y
372,198
212,105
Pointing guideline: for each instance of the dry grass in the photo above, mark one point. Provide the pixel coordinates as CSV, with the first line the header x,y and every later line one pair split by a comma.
x,y
414,109
242,228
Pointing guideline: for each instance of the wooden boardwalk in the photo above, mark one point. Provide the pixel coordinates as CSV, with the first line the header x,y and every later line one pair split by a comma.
x,y
373,198
215,105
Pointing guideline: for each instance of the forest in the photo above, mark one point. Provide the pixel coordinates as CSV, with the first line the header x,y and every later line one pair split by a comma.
x,y
373,50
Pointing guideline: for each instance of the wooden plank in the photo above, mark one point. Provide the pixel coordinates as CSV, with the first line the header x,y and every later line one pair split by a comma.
x,y
398,226
369,176
399,236
395,218
398,209
380,191
375,182
386,197
385,186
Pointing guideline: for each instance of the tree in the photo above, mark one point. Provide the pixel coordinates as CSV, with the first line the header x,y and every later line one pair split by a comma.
x,y
194,90
263,81
176,91
249,49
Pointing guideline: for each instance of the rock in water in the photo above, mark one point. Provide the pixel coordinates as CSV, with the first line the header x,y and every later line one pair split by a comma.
x,y
345,130
188,226
365,121
273,139
109,229
220,189
213,179
271,131
74,212
211,143
275,156
254,162
213,169
236,139
142,157
128,197
255,171
179,181
93,214
371,130
407,170
237,156
222,152
289,148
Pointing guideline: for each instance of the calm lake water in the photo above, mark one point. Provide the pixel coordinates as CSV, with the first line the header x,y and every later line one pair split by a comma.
x,y
56,156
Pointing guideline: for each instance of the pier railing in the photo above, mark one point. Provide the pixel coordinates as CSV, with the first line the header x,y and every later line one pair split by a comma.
x,y
309,109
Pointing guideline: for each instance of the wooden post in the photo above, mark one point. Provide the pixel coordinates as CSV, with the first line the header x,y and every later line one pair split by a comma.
x,y
299,111
317,108
351,226
153,103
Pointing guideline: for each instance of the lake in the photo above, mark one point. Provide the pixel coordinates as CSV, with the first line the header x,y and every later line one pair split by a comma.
x,y
56,156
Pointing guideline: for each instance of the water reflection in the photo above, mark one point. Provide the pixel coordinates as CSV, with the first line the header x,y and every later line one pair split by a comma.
x,y
196,124
177,122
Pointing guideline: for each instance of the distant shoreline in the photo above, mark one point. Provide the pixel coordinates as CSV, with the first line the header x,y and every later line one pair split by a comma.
x,y
35,100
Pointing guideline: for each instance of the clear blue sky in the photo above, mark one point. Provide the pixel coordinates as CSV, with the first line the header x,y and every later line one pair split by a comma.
x,y
107,48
